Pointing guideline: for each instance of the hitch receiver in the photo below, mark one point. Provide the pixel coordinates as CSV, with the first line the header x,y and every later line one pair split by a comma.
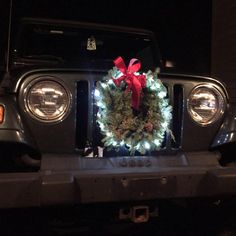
x,y
140,214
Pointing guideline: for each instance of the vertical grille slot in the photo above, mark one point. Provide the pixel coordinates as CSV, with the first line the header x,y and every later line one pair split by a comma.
x,y
82,114
177,122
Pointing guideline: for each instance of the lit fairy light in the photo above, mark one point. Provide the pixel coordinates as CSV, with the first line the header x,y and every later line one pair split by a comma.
x,y
110,81
158,85
114,143
97,93
167,114
104,85
147,145
153,87
128,145
157,142
108,134
165,124
162,94
102,126
122,143
100,104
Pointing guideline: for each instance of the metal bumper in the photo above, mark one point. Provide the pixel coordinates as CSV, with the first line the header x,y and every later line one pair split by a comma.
x,y
73,180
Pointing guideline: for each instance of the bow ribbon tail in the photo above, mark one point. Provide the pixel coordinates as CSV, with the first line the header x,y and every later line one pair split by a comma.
x,y
136,93
142,79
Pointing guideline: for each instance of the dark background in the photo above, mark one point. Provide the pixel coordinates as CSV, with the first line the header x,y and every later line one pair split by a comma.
x,y
198,35
223,53
183,27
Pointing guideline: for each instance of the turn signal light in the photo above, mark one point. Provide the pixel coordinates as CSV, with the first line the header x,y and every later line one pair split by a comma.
x,y
1,114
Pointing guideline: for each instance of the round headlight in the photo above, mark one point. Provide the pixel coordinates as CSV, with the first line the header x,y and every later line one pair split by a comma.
x,y
47,100
206,104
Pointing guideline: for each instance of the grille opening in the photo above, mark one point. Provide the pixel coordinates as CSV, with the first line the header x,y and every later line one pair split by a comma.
x,y
177,121
82,114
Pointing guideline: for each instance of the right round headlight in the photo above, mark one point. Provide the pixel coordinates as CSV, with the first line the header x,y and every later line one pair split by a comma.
x,y
205,104
47,100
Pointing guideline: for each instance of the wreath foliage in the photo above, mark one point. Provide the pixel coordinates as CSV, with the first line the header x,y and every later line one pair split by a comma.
x,y
122,126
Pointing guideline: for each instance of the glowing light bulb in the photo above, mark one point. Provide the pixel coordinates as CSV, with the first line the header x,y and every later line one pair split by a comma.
x,y
147,145
109,134
162,94
110,81
104,85
122,143
102,126
165,125
153,87
100,104
157,142
166,114
96,93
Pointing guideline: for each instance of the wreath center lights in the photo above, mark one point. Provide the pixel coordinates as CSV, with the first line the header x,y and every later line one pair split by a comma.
x,y
133,111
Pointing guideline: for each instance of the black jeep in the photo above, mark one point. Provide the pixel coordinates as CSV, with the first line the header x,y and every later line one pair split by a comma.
x,y
48,119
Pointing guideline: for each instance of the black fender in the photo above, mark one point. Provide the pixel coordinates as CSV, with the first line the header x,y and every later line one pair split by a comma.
x,y
227,131
14,133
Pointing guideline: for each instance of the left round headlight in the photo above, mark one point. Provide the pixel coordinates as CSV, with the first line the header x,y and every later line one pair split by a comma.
x,y
47,100
205,104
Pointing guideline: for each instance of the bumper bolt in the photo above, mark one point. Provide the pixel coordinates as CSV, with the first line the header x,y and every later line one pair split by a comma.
x,y
163,180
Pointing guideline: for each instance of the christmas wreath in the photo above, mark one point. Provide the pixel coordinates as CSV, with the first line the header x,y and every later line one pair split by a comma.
x,y
133,110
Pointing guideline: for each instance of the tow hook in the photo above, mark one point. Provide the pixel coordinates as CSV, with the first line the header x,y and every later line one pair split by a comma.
x,y
137,214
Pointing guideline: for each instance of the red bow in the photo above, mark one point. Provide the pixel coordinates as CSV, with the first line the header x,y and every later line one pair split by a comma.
x,y
135,82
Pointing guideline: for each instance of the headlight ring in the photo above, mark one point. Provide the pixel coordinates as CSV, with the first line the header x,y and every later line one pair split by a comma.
x,y
47,100
206,104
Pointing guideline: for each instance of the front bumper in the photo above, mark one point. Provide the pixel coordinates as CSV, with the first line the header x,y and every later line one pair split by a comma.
x,y
76,180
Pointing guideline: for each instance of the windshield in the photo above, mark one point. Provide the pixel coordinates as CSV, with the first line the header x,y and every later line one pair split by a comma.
x,y
83,47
